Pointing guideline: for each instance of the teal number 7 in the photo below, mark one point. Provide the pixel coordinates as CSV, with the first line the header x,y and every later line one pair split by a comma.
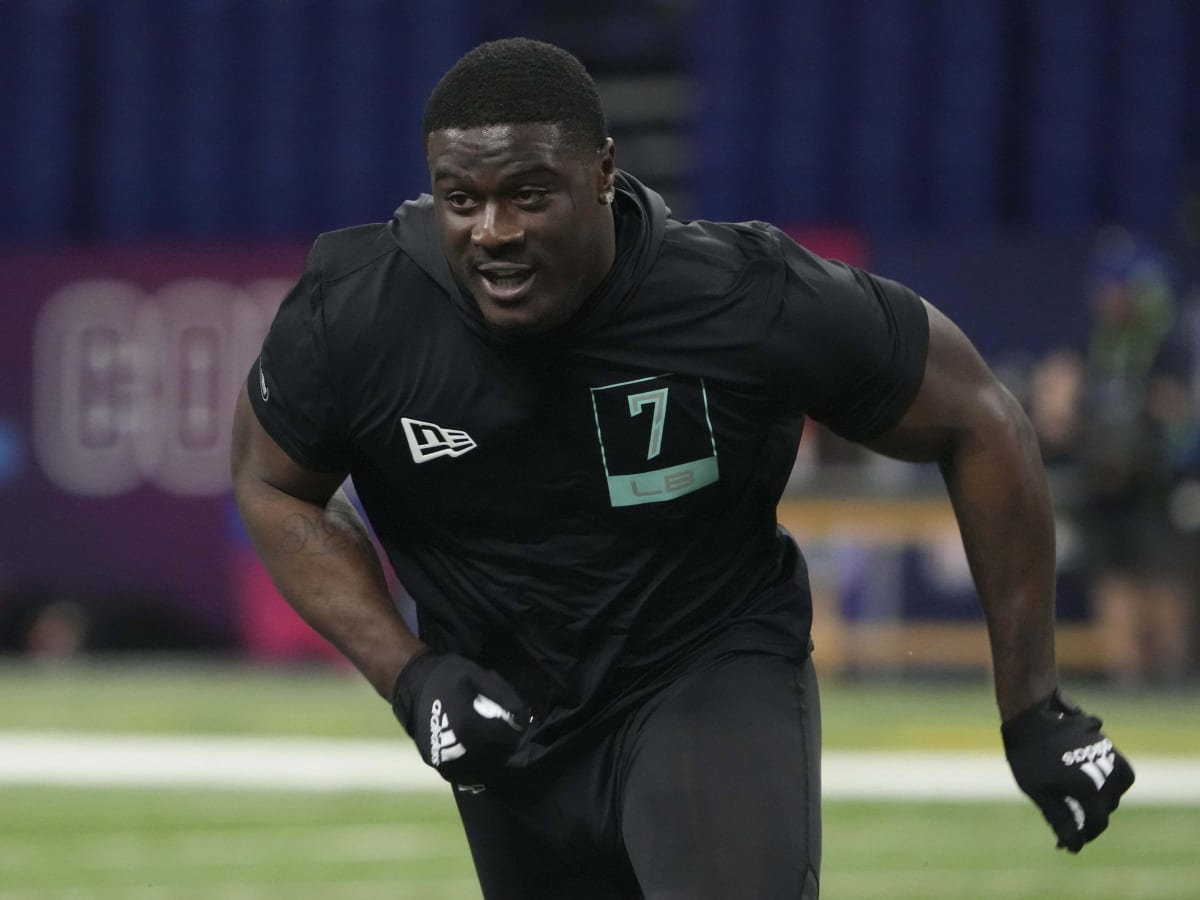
x,y
658,400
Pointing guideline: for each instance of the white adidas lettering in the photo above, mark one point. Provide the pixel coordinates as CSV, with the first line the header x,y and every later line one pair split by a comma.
x,y
443,743
427,441
1096,761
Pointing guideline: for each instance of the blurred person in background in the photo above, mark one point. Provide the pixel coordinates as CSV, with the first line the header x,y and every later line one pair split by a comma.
x,y
1139,456
569,418
46,627
1055,398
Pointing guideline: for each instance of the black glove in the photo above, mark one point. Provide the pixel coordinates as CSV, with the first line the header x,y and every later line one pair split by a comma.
x,y
1063,761
465,720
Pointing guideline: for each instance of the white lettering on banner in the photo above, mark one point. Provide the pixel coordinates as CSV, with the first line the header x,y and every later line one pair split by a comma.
x,y
131,388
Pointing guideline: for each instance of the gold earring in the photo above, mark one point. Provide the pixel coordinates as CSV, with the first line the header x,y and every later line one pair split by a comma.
x,y
608,196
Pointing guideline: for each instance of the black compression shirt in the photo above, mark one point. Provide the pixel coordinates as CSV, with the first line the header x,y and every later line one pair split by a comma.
x,y
591,511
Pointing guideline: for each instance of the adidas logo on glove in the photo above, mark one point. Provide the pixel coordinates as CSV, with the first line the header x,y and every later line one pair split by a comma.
x,y
466,720
443,745
1068,767
1095,760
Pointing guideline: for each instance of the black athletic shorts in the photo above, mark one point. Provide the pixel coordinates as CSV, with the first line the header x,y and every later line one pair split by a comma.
x,y
711,791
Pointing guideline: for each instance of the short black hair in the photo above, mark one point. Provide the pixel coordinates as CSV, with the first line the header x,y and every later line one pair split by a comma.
x,y
518,81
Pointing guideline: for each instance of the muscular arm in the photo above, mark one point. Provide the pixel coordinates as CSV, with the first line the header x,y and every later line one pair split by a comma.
x,y
967,422
316,549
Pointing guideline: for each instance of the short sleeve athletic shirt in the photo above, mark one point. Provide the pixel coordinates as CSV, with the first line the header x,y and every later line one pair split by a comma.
x,y
591,511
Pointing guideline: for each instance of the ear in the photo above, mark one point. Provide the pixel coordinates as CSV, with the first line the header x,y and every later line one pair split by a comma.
x,y
606,169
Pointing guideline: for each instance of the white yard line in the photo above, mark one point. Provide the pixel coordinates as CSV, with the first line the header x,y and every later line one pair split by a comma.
x,y
89,759
980,776
230,762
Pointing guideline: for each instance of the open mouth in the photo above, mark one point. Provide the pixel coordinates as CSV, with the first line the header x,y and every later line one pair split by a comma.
x,y
506,282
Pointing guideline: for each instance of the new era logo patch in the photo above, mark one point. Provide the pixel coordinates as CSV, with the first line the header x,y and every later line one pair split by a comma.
x,y
428,441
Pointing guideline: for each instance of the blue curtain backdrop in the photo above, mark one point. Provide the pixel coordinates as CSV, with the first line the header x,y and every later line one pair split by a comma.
x,y
202,118
944,115
278,118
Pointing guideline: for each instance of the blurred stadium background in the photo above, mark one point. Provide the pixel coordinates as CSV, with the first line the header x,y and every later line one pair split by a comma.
x,y
163,167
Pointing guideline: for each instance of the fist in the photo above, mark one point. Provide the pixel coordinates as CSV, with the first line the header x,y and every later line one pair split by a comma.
x,y
1062,760
466,720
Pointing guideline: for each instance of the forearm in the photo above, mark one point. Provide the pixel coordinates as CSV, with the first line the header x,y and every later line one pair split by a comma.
x,y
997,486
325,565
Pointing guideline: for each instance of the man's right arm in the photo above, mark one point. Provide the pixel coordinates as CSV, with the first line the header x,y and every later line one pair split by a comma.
x,y
317,550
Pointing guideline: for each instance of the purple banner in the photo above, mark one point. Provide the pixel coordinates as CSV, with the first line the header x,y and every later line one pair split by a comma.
x,y
119,368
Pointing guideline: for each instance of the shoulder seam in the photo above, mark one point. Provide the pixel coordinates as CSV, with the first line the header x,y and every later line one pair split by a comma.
x,y
734,228
387,248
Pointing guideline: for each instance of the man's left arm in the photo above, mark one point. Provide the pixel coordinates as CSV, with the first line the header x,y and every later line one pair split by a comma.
x,y
967,422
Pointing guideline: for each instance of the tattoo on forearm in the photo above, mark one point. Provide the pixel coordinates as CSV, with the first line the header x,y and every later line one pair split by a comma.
x,y
318,535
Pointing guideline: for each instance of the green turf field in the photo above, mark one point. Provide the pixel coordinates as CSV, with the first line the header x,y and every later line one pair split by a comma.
x,y
60,844
112,844
211,699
